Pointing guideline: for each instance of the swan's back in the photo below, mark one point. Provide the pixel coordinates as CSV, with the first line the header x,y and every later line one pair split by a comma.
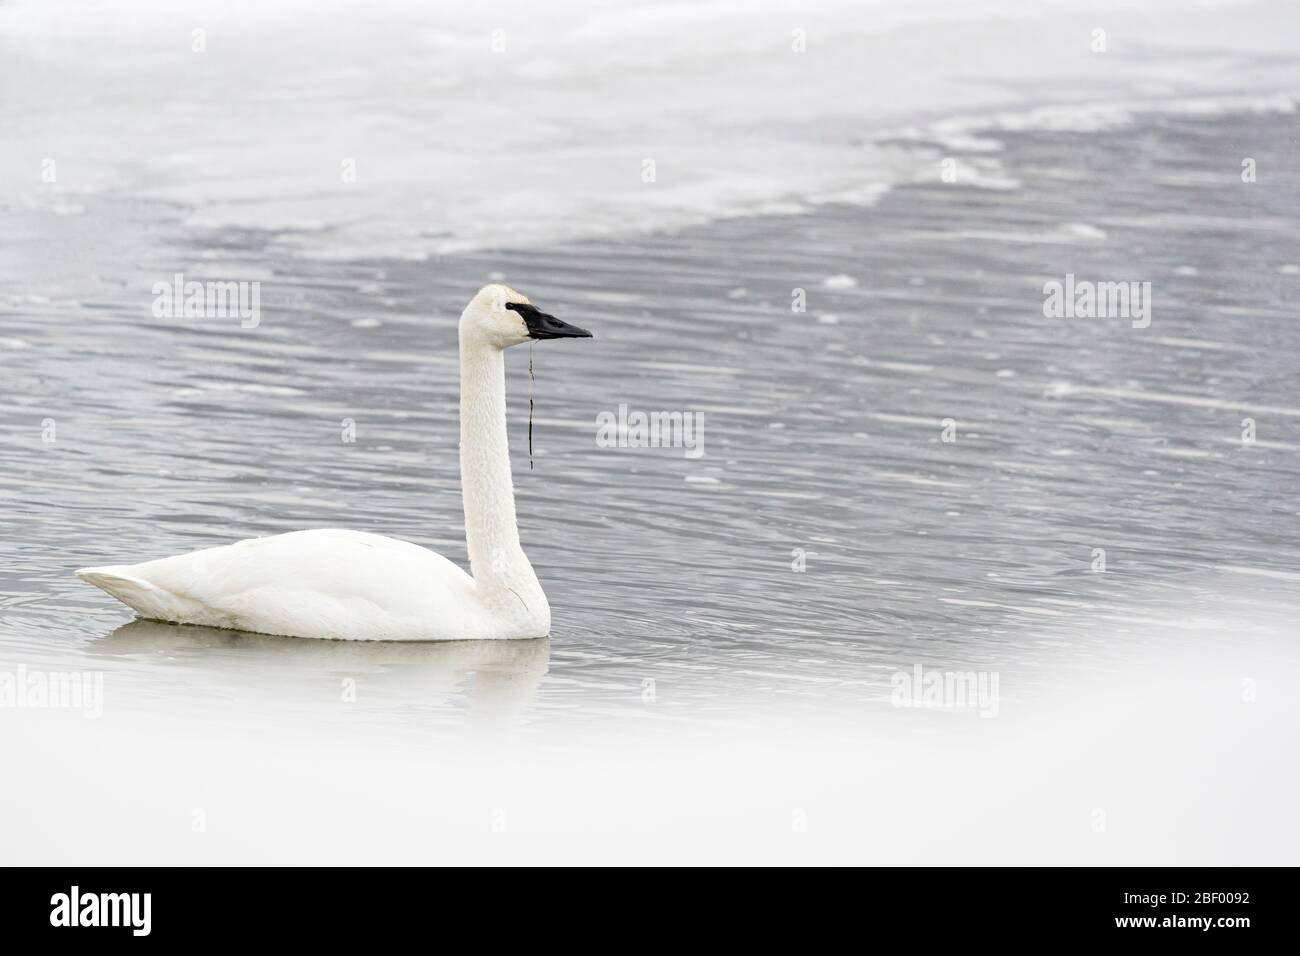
x,y
328,583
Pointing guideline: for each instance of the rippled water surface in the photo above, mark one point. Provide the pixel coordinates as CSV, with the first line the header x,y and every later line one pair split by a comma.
x,y
129,437
906,463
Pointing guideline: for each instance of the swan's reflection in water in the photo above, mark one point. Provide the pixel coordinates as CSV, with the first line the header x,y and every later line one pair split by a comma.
x,y
495,681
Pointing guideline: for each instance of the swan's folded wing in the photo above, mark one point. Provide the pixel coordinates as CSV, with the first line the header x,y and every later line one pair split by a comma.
x,y
323,583
146,599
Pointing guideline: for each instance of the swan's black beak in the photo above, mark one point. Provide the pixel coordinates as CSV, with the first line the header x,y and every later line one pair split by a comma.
x,y
543,326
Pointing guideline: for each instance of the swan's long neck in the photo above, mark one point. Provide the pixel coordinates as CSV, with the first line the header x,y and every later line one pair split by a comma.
x,y
501,571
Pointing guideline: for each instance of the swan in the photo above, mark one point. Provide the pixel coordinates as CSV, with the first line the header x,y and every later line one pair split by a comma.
x,y
350,585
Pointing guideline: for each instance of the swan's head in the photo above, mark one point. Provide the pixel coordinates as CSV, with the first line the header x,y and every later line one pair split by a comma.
x,y
502,317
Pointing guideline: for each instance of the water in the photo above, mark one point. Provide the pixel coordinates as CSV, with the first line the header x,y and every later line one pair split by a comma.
x,y
694,679
414,129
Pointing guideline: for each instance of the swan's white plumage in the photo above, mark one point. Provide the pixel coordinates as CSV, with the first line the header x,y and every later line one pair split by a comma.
x,y
327,583
350,585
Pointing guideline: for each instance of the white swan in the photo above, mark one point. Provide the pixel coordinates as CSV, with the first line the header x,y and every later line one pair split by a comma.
x,y
350,585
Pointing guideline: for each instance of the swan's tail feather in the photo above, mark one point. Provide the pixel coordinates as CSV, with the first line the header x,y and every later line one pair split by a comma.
x,y
136,593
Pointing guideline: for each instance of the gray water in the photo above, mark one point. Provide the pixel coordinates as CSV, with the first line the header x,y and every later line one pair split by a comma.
x,y
677,607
